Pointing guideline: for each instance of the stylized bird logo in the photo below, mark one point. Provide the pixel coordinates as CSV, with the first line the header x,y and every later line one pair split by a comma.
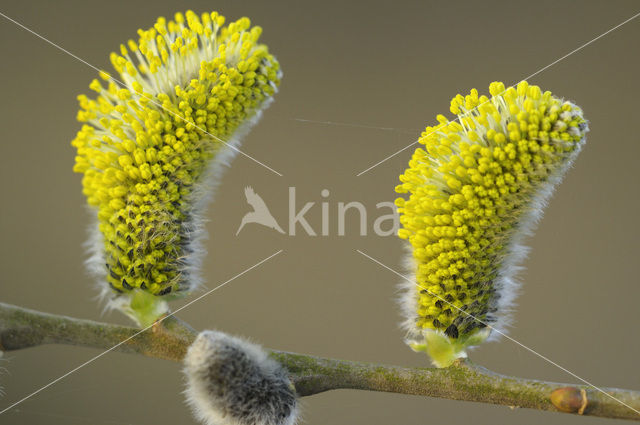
x,y
260,213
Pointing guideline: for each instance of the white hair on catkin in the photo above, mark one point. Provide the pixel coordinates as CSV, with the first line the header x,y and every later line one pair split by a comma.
x,y
203,194
506,284
231,381
408,289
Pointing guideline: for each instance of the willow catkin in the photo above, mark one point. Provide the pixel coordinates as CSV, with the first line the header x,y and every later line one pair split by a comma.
x,y
231,381
151,151
476,187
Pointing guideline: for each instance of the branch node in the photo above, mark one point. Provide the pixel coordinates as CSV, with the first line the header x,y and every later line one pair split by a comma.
x,y
585,401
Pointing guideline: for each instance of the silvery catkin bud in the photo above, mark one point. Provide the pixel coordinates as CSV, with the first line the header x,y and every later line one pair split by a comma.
x,y
151,152
234,382
478,186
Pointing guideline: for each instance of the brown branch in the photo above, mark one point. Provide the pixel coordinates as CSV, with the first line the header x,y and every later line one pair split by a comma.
x,y
169,339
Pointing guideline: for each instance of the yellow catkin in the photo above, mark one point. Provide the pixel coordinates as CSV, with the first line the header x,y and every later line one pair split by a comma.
x,y
475,185
144,149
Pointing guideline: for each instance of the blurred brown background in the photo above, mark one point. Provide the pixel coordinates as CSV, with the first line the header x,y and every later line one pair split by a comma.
x,y
368,63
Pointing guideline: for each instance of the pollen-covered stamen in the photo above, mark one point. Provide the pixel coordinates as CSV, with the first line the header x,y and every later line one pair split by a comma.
x,y
145,150
475,188
171,53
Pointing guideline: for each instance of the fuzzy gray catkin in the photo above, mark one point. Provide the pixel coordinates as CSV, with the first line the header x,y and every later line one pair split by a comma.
x,y
234,382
